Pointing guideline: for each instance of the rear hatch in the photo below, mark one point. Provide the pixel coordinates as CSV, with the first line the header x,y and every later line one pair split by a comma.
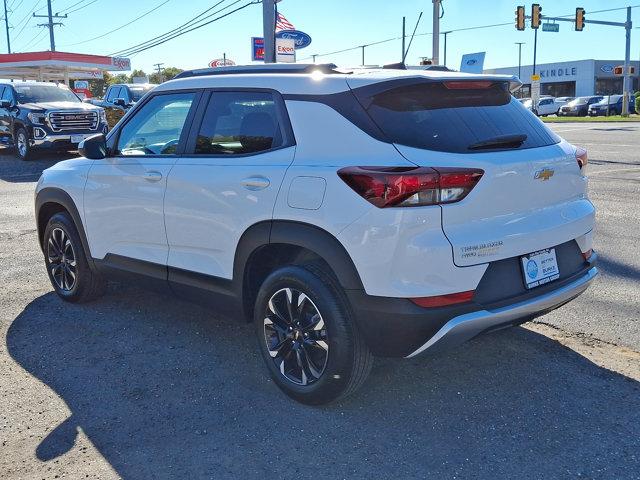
x,y
532,195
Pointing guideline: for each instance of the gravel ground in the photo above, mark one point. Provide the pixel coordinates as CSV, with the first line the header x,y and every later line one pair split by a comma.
x,y
141,386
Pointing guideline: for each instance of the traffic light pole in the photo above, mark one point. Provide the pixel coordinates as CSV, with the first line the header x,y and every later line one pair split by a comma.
x,y
627,56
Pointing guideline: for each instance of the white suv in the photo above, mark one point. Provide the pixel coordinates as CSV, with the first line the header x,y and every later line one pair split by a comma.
x,y
348,214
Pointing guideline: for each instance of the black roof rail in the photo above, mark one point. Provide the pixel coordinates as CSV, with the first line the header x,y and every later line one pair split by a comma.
x,y
326,68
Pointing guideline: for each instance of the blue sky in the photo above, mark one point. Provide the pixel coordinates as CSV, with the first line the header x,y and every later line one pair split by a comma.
x,y
333,24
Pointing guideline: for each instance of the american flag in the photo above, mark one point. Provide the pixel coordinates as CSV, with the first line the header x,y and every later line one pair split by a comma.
x,y
283,24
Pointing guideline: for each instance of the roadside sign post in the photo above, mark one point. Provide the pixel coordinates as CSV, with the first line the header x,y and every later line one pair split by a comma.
x,y
535,90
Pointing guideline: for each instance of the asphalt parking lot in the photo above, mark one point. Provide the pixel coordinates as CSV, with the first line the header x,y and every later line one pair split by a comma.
x,y
140,386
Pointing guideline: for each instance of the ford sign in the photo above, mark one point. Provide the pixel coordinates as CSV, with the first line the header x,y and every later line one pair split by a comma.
x,y
301,39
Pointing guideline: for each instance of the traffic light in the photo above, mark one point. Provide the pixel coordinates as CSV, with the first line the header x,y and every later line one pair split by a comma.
x,y
535,15
520,17
579,19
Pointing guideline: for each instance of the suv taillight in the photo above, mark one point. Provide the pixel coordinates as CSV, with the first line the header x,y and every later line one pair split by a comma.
x,y
581,157
411,186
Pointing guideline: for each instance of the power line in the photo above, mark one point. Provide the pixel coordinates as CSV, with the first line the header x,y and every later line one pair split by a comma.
x,y
71,6
193,21
35,39
80,8
478,27
118,28
199,26
27,17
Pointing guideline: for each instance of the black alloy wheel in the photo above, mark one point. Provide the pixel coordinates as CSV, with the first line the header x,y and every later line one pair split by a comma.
x,y
308,336
295,336
61,258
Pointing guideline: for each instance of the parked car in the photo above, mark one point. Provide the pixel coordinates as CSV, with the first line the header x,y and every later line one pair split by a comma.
x,y
119,98
345,215
546,106
611,105
562,101
36,115
579,107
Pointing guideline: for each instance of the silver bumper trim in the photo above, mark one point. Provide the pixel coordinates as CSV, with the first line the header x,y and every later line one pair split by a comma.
x,y
37,142
465,327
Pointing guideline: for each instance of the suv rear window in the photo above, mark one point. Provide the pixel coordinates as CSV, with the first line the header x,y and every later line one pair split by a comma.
x,y
453,116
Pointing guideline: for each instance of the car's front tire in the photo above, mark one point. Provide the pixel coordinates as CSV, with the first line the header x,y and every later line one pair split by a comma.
x,y
69,272
21,142
307,336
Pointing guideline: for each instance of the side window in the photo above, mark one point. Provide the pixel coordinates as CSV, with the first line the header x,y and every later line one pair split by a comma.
x,y
237,123
156,128
2,92
124,93
112,94
8,94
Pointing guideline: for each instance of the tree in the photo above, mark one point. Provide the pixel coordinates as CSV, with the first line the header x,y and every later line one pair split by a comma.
x,y
136,73
167,74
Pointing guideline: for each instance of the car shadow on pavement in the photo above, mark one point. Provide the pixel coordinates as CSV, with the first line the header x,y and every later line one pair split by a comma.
x,y
14,170
164,389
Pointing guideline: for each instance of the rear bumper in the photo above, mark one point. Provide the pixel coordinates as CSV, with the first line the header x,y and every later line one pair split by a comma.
x,y
396,327
467,326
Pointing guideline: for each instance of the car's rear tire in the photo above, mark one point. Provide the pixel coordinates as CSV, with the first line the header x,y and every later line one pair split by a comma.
x,y
307,336
69,272
21,142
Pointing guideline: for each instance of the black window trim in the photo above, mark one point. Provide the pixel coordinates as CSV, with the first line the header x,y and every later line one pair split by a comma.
x,y
284,123
113,137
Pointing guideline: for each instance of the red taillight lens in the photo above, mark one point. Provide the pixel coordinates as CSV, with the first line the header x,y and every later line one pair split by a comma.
x,y
410,186
468,85
581,157
444,300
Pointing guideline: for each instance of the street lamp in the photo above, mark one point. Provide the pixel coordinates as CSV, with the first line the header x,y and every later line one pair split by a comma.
x,y
445,46
520,58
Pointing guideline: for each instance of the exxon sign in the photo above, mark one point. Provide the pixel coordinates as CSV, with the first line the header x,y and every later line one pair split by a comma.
x,y
301,39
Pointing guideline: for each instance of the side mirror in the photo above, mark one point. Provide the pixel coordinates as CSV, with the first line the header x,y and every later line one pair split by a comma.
x,y
5,104
120,102
94,147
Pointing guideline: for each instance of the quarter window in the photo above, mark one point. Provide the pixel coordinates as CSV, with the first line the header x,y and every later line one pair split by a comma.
x,y
238,123
156,128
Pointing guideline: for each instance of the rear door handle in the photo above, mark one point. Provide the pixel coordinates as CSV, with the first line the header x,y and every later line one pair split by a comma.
x,y
255,183
152,176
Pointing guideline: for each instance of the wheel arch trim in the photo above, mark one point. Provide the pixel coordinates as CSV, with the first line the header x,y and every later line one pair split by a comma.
x,y
62,198
297,234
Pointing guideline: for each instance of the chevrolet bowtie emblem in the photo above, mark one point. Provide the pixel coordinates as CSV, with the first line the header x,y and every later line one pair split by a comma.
x,y
544,174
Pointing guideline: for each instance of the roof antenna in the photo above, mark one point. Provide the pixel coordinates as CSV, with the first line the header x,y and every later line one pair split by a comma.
x,y
412,35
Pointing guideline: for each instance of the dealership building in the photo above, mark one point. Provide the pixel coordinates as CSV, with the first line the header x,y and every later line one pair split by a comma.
x,y
573,79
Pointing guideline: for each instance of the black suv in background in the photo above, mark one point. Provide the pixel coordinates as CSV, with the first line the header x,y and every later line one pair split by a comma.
x,y
578,107
120,97
45,115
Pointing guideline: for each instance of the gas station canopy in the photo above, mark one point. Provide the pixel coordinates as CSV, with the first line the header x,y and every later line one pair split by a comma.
x,y
59,66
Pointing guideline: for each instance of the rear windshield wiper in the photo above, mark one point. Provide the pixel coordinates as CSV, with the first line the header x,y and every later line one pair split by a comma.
x,y
502,141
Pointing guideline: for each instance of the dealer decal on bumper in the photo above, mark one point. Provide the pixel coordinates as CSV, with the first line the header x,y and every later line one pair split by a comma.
x,y
487,249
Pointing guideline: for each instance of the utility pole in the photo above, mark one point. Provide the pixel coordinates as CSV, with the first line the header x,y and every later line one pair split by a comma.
x,y
269,30
520,58
6,24
404,33
435,58
445,46
363,47
159,67
50,24
626,84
